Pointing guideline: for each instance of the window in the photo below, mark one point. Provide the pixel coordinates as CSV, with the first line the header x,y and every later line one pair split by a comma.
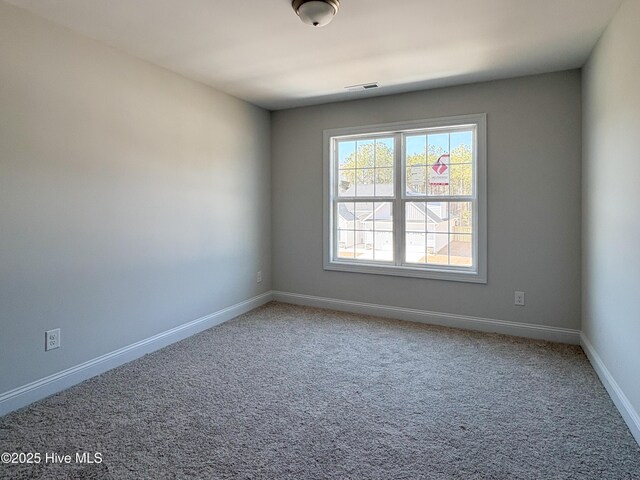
x,y
407,199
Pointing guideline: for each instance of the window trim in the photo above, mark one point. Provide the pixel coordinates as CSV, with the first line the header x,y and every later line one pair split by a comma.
x,y
452,273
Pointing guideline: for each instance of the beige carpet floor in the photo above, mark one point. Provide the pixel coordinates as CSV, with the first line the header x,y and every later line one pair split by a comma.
x,y
287,392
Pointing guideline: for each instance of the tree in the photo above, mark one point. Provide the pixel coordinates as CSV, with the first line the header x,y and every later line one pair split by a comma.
x,y
359,166
367,157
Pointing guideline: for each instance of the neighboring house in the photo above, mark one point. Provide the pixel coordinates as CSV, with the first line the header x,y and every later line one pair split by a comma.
x,y
369,224
436,217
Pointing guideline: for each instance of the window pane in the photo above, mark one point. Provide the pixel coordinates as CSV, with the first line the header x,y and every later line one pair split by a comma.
x,y
383,217
415,217
437,146
461,217
438,248
437,217
364,215
346,183
416,160
416,149
346,154
383,246
416,180
346,244
364,154
366,168
384,161
364,244
461,147
461,250
384,182
415,248
373,235
461,179
346,216
438,176
364,230
384,153
364,183
454,247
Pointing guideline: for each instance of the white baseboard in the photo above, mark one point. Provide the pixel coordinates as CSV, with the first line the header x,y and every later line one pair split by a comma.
x,y
26,394
539,332
621,401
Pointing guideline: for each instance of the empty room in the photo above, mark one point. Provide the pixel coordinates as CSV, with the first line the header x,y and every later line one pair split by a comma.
x,y
320,239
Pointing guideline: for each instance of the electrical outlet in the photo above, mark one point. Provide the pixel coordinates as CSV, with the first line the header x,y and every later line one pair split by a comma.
x,y
259,277
519,298
52,339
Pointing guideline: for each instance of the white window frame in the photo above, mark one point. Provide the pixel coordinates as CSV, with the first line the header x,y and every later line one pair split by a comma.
x,y
475,274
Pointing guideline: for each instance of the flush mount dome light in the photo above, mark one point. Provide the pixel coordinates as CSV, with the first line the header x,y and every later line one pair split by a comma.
x,y
316,13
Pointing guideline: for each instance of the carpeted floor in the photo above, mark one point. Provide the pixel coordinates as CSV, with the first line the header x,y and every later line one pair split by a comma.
x,y
287,392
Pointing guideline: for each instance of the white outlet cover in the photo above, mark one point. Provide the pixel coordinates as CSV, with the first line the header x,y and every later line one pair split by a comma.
x,y
52,339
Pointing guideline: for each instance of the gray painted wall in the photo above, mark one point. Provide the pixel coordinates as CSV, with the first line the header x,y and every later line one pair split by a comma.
x,y
611,196
534,154
132,200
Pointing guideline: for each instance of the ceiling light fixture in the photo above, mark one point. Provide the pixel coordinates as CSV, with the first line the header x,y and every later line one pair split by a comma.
x,y
316,13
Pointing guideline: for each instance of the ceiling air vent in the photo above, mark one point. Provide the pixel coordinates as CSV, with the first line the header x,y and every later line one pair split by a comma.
x,y
362,86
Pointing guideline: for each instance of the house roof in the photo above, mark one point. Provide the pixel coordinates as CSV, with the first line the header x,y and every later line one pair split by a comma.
x,y
383,212
369,190
345,213
430,213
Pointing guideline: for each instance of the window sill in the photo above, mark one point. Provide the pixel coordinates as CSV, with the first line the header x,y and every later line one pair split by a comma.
x,y
468,276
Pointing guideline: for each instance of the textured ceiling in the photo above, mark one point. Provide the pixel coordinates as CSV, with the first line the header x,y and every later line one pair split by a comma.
x,y
258,50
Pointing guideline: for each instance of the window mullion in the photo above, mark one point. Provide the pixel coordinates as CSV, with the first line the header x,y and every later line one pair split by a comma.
x,y
334,232
335,194
398,206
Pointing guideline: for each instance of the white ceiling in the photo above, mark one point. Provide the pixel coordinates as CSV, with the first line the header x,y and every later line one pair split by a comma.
x,y
258,50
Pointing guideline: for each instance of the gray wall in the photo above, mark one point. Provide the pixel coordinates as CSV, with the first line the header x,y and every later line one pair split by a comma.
x,y
534,151
611,197
132,200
